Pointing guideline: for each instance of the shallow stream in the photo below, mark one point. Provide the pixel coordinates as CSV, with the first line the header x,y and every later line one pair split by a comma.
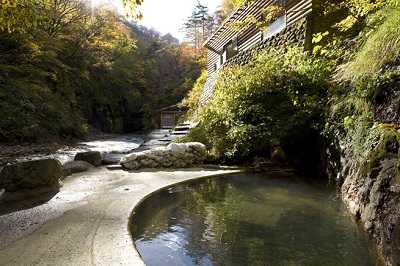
x,y
249,219
121,144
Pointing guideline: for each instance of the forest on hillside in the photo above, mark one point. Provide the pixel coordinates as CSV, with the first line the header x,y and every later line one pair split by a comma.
x,y
69,69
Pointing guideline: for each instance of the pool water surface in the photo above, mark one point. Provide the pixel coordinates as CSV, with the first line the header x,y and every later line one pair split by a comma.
x,y
247,219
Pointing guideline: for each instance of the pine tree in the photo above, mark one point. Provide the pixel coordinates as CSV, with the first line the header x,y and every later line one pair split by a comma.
x,y
195,25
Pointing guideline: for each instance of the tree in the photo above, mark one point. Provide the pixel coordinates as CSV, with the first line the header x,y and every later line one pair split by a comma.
x,y
195,26
56,15
67,70
131,8
16,15
279,93
357,11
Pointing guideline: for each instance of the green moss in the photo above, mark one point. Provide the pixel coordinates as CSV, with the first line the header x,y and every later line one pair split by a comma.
x,y
387,147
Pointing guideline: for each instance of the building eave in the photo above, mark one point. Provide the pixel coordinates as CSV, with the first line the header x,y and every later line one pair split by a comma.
x,y
223,33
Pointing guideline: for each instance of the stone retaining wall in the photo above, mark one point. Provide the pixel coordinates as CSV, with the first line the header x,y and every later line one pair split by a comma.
x,y
175,155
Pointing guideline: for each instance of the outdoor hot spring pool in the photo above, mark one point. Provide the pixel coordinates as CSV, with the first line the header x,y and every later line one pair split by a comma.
x,y
247,219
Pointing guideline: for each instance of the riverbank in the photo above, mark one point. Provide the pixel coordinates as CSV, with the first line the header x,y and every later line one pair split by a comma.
x,y
12,152
85,221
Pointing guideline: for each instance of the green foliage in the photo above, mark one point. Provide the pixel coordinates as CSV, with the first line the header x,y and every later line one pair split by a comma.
x,y
193,97
68,67
380,45
371,143
279,95
131,9
370,71
16,15
357,10
58,76
350,103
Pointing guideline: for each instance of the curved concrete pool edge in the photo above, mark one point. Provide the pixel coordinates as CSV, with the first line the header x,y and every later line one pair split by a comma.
x,y
87,222
157,181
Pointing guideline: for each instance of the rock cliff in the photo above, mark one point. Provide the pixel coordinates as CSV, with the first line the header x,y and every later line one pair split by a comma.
x,y
365,163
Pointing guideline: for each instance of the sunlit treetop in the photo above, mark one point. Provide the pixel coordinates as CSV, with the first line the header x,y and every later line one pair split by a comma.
x,y
16,15
130,7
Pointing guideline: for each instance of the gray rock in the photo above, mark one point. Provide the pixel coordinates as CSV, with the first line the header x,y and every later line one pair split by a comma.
x,y
373,199
77,167
66,172
111,158
31,174
92,157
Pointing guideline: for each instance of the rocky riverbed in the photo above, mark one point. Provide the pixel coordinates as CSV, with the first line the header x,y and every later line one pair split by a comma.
x,y
105,144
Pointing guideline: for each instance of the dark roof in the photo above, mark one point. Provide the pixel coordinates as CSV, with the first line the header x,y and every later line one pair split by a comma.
x,y
223,34
174,108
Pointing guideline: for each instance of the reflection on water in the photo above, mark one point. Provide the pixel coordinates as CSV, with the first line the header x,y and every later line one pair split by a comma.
x,y
248,220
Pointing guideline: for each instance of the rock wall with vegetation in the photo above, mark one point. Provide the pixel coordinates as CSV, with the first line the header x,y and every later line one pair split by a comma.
x,y
363,129
364,160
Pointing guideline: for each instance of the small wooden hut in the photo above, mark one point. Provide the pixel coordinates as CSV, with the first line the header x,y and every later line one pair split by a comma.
x,y
170,115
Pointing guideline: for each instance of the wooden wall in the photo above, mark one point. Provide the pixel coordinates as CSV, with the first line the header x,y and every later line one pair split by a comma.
x,y
212,59
295,10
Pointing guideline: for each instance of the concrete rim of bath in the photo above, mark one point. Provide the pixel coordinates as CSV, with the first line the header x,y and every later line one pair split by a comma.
x,y
87,222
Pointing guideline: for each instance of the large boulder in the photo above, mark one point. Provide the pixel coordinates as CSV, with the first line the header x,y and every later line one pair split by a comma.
x,y
175,155
92,157
31,174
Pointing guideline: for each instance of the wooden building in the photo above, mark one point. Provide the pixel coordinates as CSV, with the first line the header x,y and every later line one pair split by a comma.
x,y
294,26
169,115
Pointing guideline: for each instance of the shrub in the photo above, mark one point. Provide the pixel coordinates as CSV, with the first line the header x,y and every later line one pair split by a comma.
x,y
380,45
279,95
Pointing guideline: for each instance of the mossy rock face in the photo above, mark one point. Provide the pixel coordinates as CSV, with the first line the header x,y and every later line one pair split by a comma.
x,y
387,148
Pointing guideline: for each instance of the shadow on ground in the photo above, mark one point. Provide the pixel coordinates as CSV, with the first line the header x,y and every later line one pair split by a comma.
x,y
25,198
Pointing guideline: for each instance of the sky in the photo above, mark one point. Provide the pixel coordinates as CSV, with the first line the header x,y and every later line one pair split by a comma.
x,y
168,16
165,16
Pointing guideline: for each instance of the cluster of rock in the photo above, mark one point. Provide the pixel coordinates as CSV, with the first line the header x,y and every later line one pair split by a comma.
x,y
48,172
45,172
176,155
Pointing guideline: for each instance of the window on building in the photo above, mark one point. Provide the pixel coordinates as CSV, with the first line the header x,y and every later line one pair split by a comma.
x,y
229,50
276,26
